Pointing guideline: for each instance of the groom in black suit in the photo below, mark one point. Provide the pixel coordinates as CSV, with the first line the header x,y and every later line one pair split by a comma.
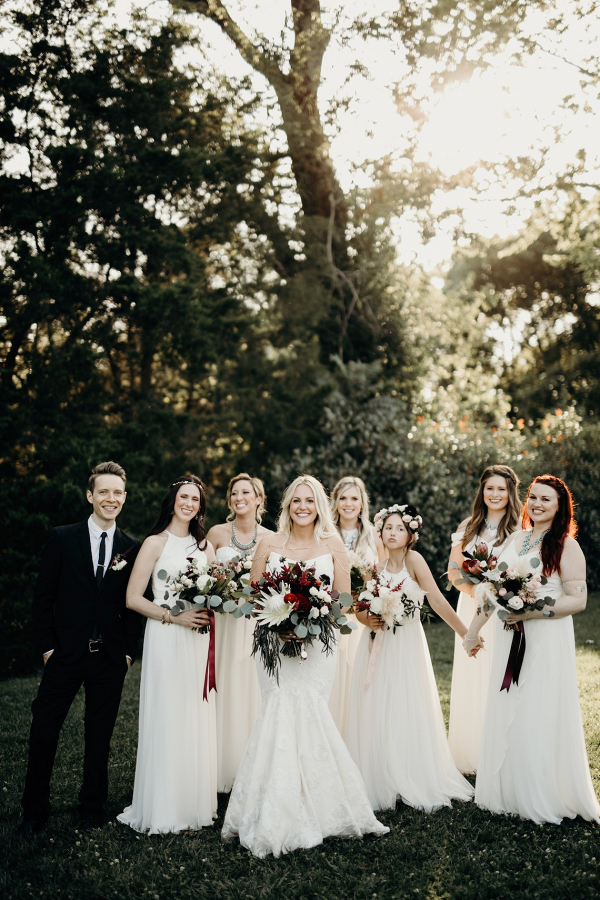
x,y
87,636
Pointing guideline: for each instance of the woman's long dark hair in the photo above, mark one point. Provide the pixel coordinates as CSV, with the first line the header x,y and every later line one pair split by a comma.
x,y
197,529
563,523
510,519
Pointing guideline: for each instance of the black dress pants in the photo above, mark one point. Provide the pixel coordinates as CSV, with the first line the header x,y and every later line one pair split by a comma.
x,y
102,679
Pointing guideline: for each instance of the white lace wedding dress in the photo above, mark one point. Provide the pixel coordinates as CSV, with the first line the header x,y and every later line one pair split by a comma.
x,y
238,692
533,760
175,785
297,783
470,683
396,731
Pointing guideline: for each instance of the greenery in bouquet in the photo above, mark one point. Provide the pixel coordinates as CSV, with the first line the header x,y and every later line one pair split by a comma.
x,y
476,565
394,604
295,600
210,587
513,589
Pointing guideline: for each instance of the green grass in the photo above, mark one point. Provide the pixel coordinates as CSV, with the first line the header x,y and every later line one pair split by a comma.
x,y
455,853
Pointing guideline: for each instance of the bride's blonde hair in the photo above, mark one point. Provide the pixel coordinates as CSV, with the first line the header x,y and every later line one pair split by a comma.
x,y
324,527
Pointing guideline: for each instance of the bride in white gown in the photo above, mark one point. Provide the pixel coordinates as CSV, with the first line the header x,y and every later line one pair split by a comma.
x,y
175,785
533,760
297,783
238,693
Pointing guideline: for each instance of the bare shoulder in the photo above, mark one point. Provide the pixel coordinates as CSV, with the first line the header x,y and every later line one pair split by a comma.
x,y
463,524
219,535
209,550
334,542
272,540
414,562
263,532
572,549
153,546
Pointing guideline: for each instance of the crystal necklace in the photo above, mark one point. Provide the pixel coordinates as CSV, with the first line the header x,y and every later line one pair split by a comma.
x,y
527,548
349,537
238,544
491,528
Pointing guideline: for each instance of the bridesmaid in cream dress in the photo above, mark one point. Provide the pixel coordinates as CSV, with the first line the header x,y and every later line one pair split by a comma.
x,y
175,785
495,516
238,693
350,512
533,761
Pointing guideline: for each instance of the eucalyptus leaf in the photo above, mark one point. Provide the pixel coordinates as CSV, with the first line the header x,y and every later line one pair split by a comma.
x,y
314,628
453,565
165,605
345,629
346,599
351,625
166,597
301,631
247,590
247,608
229,606
548,614
550,601
294,618
502,566
503,614
534,562
543,580
198,605
341,620
509,596
238,613
180,604
336,609
175,610
215,601
162,574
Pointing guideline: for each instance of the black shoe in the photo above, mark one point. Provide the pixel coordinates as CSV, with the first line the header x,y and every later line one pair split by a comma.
x,y
89,821
30,826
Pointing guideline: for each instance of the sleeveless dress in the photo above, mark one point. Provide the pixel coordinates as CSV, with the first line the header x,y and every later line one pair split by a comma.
x,y
533,759
175,786
238,693
297,784
470,682
347,649
396,732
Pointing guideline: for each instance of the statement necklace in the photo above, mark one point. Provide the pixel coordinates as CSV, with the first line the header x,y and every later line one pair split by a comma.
x,y
491,528
527,548
238,544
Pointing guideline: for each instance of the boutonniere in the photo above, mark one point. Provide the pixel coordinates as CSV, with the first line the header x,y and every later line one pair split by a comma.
x,y
118,561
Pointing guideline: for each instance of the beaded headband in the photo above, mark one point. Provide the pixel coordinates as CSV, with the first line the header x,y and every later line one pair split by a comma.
x,y
177,483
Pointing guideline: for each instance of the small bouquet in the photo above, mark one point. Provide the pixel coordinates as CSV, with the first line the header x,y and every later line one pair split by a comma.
x,y
476,565
294,598
394,604
360,572
209,587
513,589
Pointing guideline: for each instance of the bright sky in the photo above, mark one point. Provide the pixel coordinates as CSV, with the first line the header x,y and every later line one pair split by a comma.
x,y
507,110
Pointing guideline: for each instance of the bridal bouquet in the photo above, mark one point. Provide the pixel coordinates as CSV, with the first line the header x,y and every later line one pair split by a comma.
x,y
360,572
395,604
294,599
513,589
209,587
476,565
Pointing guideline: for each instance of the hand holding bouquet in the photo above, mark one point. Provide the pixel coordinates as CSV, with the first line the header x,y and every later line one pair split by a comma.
x,y
393,604
360,572
476,565
209,587
295,601
513,589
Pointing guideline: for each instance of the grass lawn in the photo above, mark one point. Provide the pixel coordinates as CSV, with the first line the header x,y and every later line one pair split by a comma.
x,y
454,853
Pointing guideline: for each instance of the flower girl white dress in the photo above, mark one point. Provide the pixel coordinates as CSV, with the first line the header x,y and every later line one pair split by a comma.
x,y
533,759
470,683
175,785
297,783
238,692
396,732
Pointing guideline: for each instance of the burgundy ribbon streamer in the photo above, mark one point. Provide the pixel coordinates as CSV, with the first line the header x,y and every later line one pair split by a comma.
x,y
210,676
515,658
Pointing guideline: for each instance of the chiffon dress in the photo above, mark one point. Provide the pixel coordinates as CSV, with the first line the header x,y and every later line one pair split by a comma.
x,y
297,783
238,692
347,649
533,760
470,682
175,786
396,732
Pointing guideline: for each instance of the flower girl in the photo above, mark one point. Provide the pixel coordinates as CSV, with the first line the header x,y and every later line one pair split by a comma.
x,y
396,731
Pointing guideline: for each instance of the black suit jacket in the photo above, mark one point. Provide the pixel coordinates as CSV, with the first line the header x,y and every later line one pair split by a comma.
x,y
66,598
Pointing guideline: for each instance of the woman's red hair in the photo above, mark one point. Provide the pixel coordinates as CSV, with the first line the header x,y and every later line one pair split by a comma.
x,y
563,524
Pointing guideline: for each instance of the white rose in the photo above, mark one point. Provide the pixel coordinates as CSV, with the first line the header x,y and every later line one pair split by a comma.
x,y
370,586
367,596
515,602
203,582
314,613
376,606
413,524
406,518
324,610
314,591
400,609
120,565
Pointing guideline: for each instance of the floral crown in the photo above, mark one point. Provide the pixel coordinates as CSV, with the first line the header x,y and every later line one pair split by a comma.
x,y
408,513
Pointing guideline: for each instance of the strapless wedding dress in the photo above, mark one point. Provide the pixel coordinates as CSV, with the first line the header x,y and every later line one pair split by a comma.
x,y
175,785
396,731
533,760
238,692
297,783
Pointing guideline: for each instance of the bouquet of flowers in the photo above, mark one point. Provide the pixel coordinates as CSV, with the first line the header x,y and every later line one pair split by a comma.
x,y
476,565
360,572
209,587
395,604
294,598
513,589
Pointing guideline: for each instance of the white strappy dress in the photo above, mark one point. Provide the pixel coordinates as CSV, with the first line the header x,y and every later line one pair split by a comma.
x,y
297,783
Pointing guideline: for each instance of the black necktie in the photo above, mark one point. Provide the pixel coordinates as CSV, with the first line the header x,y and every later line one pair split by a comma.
x,y
101,554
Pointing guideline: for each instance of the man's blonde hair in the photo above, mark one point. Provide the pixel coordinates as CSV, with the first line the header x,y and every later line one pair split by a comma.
x,y
324,527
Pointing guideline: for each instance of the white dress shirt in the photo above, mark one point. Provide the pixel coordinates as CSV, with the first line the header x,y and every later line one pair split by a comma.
x,y
95,535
